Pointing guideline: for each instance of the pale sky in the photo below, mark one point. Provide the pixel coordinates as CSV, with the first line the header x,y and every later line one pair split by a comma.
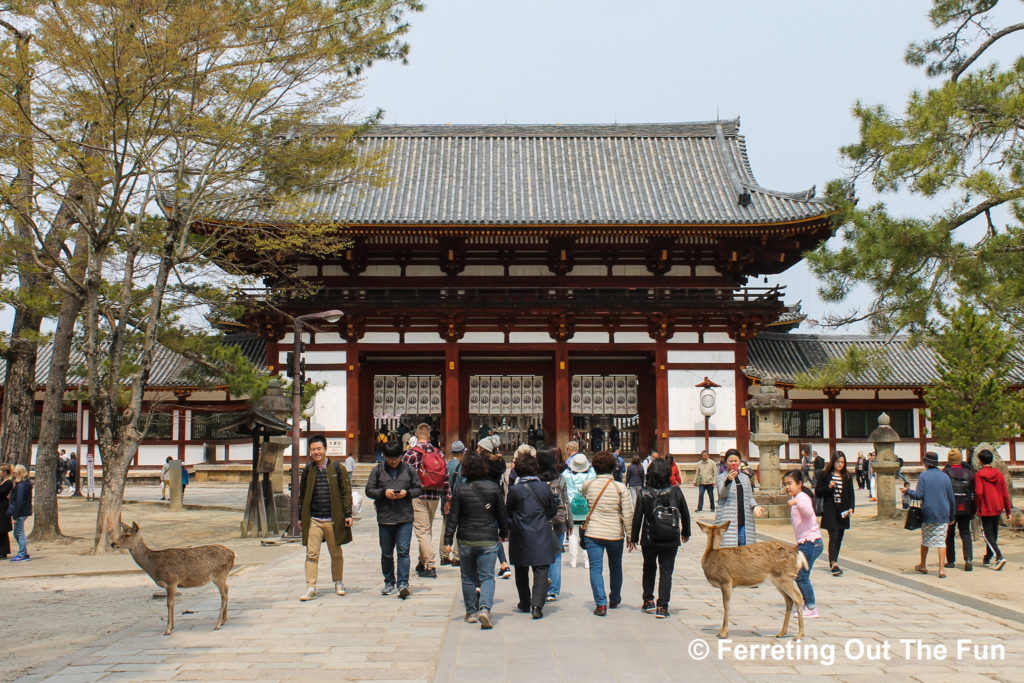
x,y
790,69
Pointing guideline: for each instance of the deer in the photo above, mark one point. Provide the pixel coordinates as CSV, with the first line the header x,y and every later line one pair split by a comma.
x,y
749,565
172,568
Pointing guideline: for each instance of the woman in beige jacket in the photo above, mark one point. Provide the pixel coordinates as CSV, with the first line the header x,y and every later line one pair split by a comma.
x,y
609,520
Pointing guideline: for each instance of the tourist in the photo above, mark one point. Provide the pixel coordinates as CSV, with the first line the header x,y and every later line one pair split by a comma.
x,y
393,485
457,452
609,521
478,520
635,478
325,499
561,523
992,498
184,480
350,466
704,480
819,466
808,535
19,509
487,447
575,477
165,478
6,486
661,520
736,503
432,472
869,475
962,479
805,465
530,507
620,466
571,449
938,510
834,486
858,470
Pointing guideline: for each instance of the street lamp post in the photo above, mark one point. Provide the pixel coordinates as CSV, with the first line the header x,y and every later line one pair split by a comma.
x,y
324,316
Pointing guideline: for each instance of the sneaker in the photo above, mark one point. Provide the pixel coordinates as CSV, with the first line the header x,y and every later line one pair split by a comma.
x,y
987,561
427,574
522,607
444,561
950,565
308,595
20,558
537,613
613,604
403,592
470,618
339,588
810,613
836,571
648,606
485,619
1000,563
968,566
388,589
601,610
505,573
552,598
661,613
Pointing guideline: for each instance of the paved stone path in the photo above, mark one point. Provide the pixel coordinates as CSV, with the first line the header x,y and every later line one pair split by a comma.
x,y
270,635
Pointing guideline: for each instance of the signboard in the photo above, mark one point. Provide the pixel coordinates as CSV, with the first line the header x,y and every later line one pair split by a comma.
x,y
90,468
335,447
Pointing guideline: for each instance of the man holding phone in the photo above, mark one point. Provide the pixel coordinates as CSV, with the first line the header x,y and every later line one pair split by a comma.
x,y
393,485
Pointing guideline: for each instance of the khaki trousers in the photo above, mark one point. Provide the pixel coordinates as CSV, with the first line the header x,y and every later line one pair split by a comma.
x,y
423,512
318,533
454,555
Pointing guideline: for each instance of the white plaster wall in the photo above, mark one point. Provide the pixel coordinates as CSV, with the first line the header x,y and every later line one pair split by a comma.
x,y
717,338
334,271
691,357
685,338
683,405
631,270
423,338
680,271
633,338
529,271
484,271
679,445
157,455
383,271
706,271
380,338
324,357
331,402
589,338
590,271
424,271
483,338
529,338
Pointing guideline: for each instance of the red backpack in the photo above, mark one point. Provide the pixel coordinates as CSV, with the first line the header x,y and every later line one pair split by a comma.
x,y
433,470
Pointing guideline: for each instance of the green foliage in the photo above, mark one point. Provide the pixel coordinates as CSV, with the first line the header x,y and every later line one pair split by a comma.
x,y
972,401
958,145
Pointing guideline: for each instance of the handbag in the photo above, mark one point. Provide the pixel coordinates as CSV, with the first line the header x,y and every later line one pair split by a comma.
x,y
913,521
556,546
819,506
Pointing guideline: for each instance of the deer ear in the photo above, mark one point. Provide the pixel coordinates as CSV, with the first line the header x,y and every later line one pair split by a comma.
x,y
124,527
135,527
703,526
724,526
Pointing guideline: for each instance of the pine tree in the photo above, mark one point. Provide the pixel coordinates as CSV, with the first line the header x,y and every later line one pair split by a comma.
x,y
972,401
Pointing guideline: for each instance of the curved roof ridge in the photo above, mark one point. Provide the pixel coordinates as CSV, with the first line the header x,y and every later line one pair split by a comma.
x,y
743,186
567,130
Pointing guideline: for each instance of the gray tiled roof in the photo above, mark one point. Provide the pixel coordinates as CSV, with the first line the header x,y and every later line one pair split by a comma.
x,y
169,368
628,174
783,356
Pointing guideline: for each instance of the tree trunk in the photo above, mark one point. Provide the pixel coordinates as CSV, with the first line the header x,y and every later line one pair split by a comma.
x,y
116,461
19,389
45,523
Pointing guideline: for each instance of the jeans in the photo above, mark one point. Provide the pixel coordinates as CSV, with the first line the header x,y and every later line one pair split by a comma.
x,y
835,542
555,570
811,551
532,598
19,536
659,560
964,525
596,548
395,537
477,570
710,490
989,527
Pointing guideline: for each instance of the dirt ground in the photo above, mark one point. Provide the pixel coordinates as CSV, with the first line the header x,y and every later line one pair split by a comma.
x,y
66,599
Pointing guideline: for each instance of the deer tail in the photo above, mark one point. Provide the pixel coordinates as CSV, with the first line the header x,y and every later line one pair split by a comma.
x,y
801,561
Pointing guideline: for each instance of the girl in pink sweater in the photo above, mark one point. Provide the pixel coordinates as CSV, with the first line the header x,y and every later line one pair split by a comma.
x,y
808,535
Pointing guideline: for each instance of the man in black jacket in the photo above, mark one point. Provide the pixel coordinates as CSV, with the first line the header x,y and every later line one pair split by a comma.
x,y
392,485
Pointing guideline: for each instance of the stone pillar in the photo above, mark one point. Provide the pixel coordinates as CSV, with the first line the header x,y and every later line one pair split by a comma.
x,y
884,439
174,486
767,407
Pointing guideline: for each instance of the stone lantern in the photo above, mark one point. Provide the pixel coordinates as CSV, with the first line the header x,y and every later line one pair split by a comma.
x,y
275,403
884,439
767,407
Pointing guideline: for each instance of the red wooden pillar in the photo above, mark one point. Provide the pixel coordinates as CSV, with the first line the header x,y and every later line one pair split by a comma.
x,y
661,395
742,421
181,433
451,411
352,399
563,410
833,430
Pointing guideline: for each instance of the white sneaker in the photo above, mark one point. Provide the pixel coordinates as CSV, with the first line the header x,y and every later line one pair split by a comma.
x,y
339,588
586,564
572,564
810,613
308,595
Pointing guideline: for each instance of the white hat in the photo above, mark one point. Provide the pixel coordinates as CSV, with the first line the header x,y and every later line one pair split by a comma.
x,y
489,443
579,463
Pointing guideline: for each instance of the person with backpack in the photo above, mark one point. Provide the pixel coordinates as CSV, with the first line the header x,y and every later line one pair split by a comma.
x,y
478,520
660,521
561,523
531,542
579,473
458,453
962,479
635,477
620,466
393,486
432,471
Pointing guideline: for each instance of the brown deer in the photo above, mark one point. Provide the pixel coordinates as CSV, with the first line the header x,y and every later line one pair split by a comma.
x,y
749,565
180,567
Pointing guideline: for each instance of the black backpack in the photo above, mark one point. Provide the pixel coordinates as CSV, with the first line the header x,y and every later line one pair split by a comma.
x,y
665,525
963,492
